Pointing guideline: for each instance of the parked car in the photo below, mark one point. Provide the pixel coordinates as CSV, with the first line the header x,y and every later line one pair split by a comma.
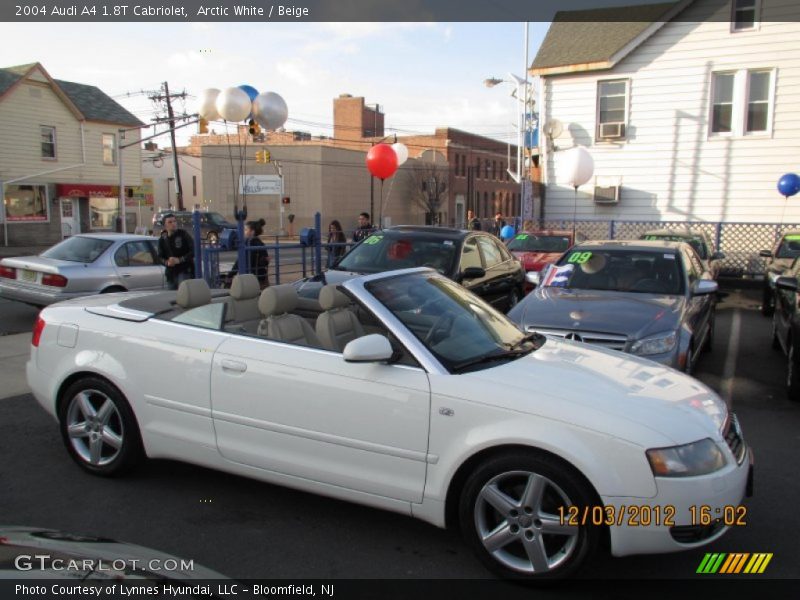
x,y
537,249
83,265
477,260
654,299
409,394
699,240
786,327
214,228
779,259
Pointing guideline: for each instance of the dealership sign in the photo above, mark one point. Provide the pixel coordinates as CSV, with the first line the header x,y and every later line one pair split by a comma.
x,y
260,185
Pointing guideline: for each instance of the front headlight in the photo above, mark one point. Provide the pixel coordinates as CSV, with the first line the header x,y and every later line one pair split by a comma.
x,y
697,458
655,344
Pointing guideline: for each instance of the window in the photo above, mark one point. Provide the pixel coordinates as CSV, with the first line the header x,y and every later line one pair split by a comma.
x,y
742,102
26,203
78,249
48,134
494,169
109,149
486,204
135,254
491,254
470,257
103,212
722,111
478,168
463,165
486,169
744,15
612,108
194,185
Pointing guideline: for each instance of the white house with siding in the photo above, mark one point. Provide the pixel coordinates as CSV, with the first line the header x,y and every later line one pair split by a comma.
x,y
690,110
59,157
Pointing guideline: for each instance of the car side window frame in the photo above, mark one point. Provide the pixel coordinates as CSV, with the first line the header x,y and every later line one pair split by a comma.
x,y
485,241
689,267
127,261
471,241
146,246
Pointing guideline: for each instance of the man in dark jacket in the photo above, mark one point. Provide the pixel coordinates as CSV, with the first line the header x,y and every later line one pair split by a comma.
x,y
473,223
176,252
364,228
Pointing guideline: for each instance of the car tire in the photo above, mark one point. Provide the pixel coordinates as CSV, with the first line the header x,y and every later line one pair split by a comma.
x,y
767,302
212,238
792,373
99,428
525,539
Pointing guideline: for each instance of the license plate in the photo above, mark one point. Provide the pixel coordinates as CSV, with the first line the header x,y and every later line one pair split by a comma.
x,y
27,275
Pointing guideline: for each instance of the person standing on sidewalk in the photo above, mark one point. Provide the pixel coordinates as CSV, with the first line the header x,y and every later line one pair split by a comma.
x,y
473,223
364,228
176,252
256,253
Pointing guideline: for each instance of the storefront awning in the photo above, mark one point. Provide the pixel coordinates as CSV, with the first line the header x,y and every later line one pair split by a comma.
x,y
78,190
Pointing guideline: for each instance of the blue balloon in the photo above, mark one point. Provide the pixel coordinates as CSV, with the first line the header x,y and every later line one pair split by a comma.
x,y
507,232
252,93
789,184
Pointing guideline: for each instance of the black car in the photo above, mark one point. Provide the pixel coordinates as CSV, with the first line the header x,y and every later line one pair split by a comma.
x,y
779,259
475,259
213,225
786,327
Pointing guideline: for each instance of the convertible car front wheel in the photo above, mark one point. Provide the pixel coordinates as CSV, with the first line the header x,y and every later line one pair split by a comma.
x,y
98,427
515,514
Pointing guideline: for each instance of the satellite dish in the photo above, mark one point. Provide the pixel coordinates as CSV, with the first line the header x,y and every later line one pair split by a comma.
x,y
553,128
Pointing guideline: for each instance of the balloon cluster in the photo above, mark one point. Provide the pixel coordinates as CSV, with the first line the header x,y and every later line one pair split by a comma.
x,y
383,159
789,184
242,103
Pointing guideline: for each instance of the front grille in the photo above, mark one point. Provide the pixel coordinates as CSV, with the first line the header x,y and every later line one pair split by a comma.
x,y
606,340
691,534
732,433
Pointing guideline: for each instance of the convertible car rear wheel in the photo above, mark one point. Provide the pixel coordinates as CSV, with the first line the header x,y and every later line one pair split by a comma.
x,y
514,513
99,428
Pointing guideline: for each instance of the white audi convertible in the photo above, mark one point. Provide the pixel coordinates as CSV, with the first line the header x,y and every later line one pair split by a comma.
x,y
405,392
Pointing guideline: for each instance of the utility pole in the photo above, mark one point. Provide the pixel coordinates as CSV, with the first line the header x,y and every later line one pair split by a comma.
x,y
167,97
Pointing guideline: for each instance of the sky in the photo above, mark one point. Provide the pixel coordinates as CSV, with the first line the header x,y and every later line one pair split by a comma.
x,y
424,75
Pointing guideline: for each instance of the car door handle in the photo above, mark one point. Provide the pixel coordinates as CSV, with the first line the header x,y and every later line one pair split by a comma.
x,y
126,274
233,366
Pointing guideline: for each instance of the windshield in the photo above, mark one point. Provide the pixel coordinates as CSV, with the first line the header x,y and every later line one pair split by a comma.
x,y
381,252
78,249
529,242
641,271
695,242
460,329
789,248
216,218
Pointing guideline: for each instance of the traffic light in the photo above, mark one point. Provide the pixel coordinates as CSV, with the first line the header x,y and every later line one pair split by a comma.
x,y
202,126
253,127
262,156
285,200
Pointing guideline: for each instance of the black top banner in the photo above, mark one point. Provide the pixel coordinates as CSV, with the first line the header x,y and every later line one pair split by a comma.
x,y
365,10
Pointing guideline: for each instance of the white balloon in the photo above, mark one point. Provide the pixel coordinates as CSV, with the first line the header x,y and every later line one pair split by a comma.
x,y
576,166
270,110
233,104
208,104
402,152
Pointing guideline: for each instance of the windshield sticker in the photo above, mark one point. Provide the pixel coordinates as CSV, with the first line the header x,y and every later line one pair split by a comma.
x,y
792,238
373,239
670,256
558,276
448,242
522,236
579,257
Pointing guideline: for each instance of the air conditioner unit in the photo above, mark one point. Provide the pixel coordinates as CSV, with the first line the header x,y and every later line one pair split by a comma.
x,y
612,131
606,194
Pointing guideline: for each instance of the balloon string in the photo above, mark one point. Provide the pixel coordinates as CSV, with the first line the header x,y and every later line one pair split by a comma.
x,y
233,174
243,165
389,195
785,204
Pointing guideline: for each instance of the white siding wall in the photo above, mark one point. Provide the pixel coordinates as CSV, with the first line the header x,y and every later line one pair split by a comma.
x,y
670,168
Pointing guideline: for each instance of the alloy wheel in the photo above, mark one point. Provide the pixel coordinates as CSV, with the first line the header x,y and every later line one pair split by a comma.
x,y
95,427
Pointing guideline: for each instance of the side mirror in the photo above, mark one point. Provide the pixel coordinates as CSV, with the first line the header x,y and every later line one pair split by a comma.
x,y
786,283
702,287
533,277
368,349
718,256
765,254
473,273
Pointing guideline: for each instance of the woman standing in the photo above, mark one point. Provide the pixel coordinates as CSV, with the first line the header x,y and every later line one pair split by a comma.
x,y
256,252
337,243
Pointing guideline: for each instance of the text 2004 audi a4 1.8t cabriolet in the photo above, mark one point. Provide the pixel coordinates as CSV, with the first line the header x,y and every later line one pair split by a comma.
x,y
407,393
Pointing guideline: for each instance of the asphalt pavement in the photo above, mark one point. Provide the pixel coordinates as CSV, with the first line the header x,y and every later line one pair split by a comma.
x,y
244,528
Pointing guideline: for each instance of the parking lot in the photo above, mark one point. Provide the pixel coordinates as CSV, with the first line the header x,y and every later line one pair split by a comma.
x,y
244,528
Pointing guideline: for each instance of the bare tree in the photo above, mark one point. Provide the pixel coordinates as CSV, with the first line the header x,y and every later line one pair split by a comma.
x,y
430,184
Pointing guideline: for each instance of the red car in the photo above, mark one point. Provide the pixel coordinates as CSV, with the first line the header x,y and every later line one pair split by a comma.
x,y
537,249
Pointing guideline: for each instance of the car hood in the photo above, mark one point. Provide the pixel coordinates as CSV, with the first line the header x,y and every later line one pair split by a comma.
x,y
632,314
536,261
627,397
40,263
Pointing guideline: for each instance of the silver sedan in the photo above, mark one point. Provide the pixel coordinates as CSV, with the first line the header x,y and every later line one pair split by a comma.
x,y
83,265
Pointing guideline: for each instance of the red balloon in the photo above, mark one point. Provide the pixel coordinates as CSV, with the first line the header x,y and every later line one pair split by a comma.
x,y
382,161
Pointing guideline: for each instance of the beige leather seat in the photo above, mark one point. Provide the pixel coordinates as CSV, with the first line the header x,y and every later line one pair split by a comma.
x,y
276,304
193,293
243,303
338,325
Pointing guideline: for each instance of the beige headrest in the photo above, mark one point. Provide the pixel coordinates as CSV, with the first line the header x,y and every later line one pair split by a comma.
x,y
277,300
193,293
245,287
330,297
